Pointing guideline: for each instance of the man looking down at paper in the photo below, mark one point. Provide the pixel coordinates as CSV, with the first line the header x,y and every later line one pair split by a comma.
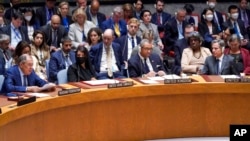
x,y
22,78
145,63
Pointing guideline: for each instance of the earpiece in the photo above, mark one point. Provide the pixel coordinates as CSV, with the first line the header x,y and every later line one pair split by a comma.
x,y
155,5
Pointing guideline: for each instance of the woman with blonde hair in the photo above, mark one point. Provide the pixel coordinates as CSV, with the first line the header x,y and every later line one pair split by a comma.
x,y
63,12
78,30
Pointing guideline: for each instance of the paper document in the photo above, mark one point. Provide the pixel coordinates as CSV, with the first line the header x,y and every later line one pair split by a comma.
x,y
229,76
149,81
101,82
47,86
38,94
171,76
156,78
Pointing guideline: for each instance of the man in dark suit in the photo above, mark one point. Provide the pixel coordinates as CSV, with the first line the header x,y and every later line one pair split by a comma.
x,y
54,32
116,23
131,40
145,63
218,63
174,29
80,4
106,57
218,19
5,54
14,6
44,14
93,13
179,46
244,13
61,59
160,17
22,78
15,30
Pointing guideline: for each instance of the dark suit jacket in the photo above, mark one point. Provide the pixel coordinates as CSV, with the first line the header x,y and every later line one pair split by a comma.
x,y
171,32
57,63
123,42
61,32
69,19
248,15
135,65
76,73
179,46
243,31
23,31
13,83
41,16
109,23
3,62
164,15
96,56
100,17
220,19
227,66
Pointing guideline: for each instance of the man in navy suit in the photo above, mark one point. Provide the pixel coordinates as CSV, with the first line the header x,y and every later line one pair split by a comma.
x,y
116,23
15,30
22,78
145,63
44,14
244,13
174,29
131,40
93,13
5,54
106,57
218,63
61,59
160,17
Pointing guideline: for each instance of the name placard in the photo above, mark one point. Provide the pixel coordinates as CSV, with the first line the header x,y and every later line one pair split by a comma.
x,y
26,101
237,80
121,84
69,91
174,81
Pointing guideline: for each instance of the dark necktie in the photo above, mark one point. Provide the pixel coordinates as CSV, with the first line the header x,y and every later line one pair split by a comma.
x,y
83,36
146,68
50,15
24,80
132,42
217,66
236,29
6,55
54,38
245,18
216,21
158,18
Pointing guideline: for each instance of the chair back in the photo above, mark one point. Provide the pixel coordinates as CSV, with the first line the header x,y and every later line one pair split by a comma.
x,y
1,81
62,76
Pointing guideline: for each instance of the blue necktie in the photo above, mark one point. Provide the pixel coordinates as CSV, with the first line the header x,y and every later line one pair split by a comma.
x,y
146,68
236,29
24,80
132,42
218,66
83,36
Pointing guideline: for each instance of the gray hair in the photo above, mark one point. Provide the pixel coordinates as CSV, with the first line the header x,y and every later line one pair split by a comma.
x,y
23,58
220,42
117,9
143,42
4,37
234,37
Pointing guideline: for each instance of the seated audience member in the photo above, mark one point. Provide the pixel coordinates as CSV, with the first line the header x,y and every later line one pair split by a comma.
x,y
78,31
131,40
63,12
138,7
94,37
207,28
22,78
116,23
54,32
5,54
22,47
15,30
146,26
128,11
218,63
40,51
160,17
61,59
106,57
82,70
194,56
241,56
3,21
179,46
189,9
93,13
145,63
149,35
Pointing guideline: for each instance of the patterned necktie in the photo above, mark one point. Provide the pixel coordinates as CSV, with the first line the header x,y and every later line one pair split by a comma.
x,y
6,55
236,29
54,38
158,18
117,30
109,62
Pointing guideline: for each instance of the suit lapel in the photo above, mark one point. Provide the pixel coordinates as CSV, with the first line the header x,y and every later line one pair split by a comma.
x,y
223,64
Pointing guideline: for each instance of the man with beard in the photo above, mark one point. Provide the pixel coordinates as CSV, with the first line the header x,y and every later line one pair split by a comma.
x,y
160,17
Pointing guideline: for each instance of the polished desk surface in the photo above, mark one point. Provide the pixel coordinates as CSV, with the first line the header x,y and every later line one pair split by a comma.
x,y
141,112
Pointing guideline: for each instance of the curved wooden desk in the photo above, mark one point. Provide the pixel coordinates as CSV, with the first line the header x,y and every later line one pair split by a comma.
x,y
131,114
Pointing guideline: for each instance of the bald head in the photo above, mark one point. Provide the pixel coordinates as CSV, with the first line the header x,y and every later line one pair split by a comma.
x,y
55,22
94,7
108,37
